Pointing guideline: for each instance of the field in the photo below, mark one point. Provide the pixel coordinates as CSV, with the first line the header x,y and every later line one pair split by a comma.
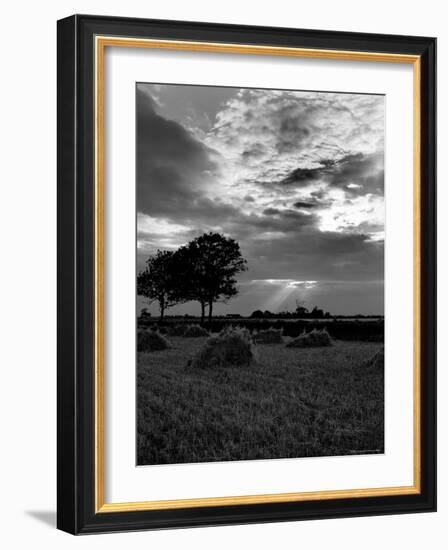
x,y
290,403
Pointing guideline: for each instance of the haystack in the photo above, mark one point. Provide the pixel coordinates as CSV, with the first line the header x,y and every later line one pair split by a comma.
x,y
231,347
151,340
195,331
376,362
314,339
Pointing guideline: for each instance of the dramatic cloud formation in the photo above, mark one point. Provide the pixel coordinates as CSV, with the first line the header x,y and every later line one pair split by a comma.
x,y
296,177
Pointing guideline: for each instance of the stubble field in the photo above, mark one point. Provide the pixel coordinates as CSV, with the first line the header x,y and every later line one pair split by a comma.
x,y
290,403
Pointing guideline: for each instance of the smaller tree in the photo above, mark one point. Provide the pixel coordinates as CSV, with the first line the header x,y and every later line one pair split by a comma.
x,y
301,311
156,282
316,313
257,314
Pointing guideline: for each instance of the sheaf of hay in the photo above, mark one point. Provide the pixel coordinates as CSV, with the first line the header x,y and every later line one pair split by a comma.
x,y
195,331
151,340
314,339
376,362
231,347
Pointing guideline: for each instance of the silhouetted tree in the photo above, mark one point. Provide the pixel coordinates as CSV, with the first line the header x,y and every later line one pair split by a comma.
x,y
156,283
257,314
316,313
301,311
206,269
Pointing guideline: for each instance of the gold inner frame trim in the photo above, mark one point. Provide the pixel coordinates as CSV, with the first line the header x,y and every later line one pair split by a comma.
x,y
101,42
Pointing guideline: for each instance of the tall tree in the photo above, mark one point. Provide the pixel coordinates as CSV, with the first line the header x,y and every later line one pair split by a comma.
x,y
156,282
207,267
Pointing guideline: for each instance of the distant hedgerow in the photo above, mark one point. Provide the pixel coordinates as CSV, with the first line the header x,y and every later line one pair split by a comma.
x,y
231,347
151,340
315,338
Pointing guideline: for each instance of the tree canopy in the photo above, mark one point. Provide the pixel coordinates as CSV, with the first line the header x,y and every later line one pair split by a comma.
x,y
156,283
211,262
203,270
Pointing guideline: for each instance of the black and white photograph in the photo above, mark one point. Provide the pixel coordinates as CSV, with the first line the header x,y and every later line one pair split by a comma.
x,y
260,273
246,276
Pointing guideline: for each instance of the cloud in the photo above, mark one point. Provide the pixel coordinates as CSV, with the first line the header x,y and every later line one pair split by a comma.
x,y
357,173
300,175
313,255
173,167
299,131
303,204
288,283
313,151
271,211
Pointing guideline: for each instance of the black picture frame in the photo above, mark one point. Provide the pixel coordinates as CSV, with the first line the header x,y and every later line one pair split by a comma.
x,y
76,286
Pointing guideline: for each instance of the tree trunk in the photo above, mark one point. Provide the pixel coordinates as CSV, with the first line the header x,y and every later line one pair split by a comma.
x,y
210,311
202,312
162,309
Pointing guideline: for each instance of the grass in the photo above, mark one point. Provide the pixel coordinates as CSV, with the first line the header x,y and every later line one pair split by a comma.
x,y
291,403
268,336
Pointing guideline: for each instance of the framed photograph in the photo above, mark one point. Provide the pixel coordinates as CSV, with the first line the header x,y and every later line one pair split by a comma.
x,y
246,274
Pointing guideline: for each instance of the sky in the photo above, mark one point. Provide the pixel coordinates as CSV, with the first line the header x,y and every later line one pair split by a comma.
x,y
296,177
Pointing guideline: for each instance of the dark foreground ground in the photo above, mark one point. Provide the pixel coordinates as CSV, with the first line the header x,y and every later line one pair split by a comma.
x,y
291,403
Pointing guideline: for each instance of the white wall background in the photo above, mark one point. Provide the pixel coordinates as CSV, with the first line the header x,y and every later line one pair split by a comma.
x,y
28,273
